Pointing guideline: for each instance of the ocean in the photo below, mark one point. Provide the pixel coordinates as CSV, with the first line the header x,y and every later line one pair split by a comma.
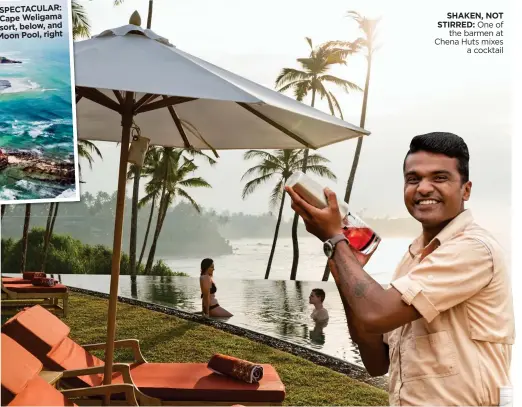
x,y
35,116
250,257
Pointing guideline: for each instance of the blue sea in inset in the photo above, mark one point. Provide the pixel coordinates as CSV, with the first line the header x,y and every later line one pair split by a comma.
x,y
36,116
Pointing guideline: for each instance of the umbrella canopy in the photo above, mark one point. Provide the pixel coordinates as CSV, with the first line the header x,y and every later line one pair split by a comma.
x,y
228,111
129,76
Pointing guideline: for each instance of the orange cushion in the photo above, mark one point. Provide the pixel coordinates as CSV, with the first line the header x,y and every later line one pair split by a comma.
x,y
37,330
29,288
40,393
69,355
195,382
14,280
18,366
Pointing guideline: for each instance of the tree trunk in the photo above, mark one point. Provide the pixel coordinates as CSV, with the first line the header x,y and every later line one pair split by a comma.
x,y
25,236
147,232
163,200
134,221
149,16
295,242
355,162
54,219
275,236
162,212
3,211
47,236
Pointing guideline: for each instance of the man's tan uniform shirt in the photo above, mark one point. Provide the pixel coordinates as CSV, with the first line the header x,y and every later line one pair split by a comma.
x,y
459,353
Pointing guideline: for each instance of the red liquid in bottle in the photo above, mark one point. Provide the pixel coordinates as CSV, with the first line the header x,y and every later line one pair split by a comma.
x,y
360,238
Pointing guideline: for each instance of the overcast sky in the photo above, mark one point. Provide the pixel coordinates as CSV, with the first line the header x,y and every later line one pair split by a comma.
x,y
416,87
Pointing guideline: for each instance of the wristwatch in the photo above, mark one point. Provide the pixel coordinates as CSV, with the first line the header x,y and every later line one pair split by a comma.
x,y
329,245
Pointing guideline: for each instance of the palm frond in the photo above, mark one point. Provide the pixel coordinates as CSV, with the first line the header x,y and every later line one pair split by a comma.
x,y
196,182
145,200
252,185
289,85
200,154
325,94
85,150
288,75
276,194
264,155
309,41
355,15
80,21
336,104
302,90
322,171
313,159
342,83
258,170
185,195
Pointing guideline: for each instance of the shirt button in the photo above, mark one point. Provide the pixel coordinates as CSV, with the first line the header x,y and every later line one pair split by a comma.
x,y
430,277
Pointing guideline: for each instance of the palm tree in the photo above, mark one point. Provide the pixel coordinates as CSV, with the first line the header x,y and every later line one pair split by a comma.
x,y
312,78
171,178
152,158
80,21
365,43
279,166
85,150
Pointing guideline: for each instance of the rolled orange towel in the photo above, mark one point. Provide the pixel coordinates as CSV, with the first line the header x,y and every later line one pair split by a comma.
x,y
30,275
237,368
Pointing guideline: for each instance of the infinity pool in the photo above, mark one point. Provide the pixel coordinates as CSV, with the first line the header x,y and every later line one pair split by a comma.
x,y
276,308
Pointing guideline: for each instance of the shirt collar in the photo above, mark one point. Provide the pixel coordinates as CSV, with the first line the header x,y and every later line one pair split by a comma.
x,y
457,225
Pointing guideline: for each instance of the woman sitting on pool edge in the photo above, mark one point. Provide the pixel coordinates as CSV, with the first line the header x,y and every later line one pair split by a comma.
x,y
211,306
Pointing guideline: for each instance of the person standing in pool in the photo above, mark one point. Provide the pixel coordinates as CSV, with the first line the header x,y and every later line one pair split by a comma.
x,y
210,305
319,314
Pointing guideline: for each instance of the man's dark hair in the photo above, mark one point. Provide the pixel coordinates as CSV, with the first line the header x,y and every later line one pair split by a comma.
x,y
319,292
448,144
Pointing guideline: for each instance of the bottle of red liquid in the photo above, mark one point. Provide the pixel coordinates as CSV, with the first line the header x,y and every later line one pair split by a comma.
x,y
361,236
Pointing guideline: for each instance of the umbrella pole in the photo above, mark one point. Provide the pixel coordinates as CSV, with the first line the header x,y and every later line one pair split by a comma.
x,y
127,116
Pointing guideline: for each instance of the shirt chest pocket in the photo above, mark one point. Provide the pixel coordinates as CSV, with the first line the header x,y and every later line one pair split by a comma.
x,y
425,356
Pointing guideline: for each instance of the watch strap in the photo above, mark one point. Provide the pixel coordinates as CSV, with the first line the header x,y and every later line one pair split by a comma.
x,y
335,240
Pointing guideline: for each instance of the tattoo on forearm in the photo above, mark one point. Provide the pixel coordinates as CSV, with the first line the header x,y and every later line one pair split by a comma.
x,y
360,284
360,288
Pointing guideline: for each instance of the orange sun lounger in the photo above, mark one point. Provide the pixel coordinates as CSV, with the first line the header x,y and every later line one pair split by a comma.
x,y
22,384
47,337
17,295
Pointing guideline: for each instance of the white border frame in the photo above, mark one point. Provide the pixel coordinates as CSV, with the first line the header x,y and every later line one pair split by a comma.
x,y
76,198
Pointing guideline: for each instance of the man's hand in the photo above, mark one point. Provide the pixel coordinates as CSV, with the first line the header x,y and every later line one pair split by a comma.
x,y
322,223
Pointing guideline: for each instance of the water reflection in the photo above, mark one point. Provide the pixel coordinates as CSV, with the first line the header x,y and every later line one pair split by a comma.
x,y
317,335
134,287
276,308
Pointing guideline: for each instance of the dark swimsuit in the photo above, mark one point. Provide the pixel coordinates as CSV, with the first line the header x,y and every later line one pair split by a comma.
x,y
213,290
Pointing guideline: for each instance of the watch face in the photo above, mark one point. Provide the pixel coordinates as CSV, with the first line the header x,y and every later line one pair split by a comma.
x,y
328,249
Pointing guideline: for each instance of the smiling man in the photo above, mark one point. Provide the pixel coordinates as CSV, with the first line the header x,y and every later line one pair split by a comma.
x,y
445,326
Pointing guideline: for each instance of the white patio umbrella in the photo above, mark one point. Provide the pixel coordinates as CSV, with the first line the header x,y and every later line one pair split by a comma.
x,y
130,76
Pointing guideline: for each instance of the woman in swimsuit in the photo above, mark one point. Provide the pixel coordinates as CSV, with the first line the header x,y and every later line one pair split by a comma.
x,y
211,306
